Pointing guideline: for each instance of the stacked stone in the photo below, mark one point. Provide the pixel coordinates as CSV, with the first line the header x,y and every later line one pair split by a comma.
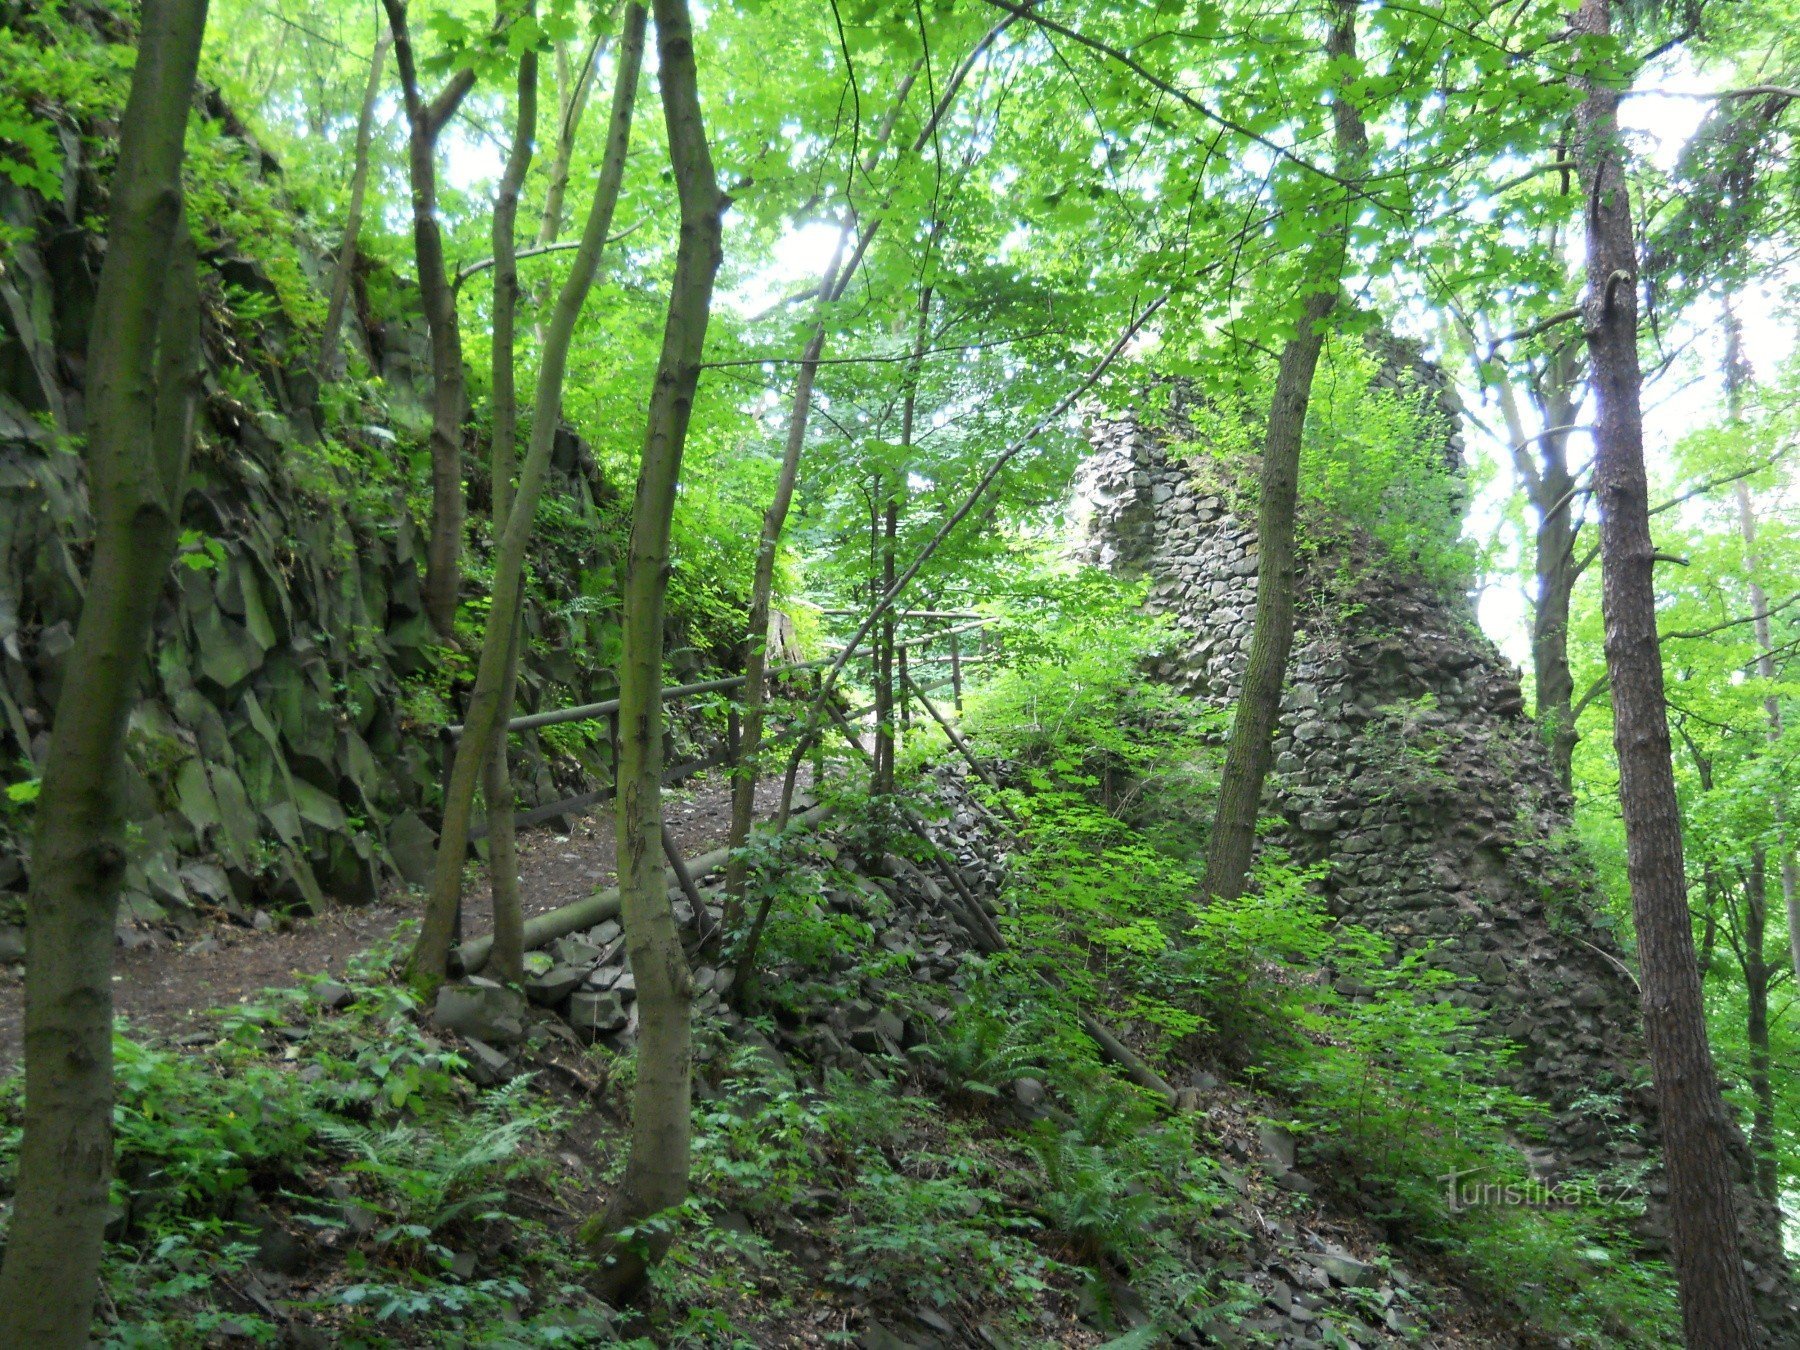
x,y
1404,759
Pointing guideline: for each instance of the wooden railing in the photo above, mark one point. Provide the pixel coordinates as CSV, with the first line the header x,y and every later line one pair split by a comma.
x,y
607,710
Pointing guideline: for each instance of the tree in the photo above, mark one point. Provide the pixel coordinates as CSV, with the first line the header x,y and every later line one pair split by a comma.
x,y
1278,486
503,857
425,121
1715,1300
143,382
489,707
656,1169
1553,378
330,360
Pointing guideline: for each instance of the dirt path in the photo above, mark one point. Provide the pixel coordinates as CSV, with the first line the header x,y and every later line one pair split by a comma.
x,y
162,988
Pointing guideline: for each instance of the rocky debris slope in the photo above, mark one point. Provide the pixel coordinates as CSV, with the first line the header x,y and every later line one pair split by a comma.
x,y
1310,1276
1405,762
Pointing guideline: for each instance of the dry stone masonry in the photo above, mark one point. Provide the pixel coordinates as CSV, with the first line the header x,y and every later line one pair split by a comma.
x,y
1405,762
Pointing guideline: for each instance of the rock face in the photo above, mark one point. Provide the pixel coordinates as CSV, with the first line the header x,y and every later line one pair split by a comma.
x,y
287,745
1405,761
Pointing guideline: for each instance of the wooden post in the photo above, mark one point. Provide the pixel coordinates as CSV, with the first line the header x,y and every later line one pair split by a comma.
x,y
818,745
612,740
956,671
901,695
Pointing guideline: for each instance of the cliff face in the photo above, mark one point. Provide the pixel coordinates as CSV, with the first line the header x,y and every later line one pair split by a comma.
x,y
1404,760
287,745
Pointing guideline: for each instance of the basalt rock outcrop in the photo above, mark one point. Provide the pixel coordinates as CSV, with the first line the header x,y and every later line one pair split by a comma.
x,y
287,747
1405,762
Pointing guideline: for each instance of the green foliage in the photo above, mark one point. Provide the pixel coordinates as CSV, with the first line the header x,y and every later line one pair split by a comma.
x,y
980,1053
1078,716
357,1124
54,73
1374,459
1382,1067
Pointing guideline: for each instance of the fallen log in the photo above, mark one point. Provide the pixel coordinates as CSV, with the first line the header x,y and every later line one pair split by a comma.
x,y
598,907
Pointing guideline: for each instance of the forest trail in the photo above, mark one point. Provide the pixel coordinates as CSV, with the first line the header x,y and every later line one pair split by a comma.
x,y
162,989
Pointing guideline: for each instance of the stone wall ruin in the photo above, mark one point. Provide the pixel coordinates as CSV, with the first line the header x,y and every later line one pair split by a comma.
x,y
1405,760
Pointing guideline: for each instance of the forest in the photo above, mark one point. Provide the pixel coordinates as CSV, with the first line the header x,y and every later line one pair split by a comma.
x,y
902,674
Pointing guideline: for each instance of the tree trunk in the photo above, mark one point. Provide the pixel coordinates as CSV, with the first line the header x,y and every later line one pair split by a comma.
x,y
1737,376
826,686
762,594
1541,463
656,1170
1247,756
330,360
449,394
883,779
142,388
484,719
497,790
572,89
887,735
836,277
1715,1301
1756,1026
1272,637
1557,571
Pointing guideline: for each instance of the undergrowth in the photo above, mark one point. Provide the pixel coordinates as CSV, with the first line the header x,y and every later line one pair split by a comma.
x,y
343,1149
1392,1086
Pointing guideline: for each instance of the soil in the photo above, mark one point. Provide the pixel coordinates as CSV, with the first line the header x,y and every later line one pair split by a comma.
x,y
162,988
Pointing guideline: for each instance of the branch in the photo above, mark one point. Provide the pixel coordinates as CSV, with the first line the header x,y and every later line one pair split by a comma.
x,y
1698,490
1683,634
1709,484
1597,688
1562,316
563,246
891,359
1782,91
1688,633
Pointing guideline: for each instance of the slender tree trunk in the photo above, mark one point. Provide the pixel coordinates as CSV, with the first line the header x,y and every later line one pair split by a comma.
x,y
836,277
1709,924
142,388
482,722
508,957
882,780
572,89
1715,1300
1712,889
449,392
887,734
1737,376
1259,701
1557,572
1756,1026
1541,463
656,1170
762,594
806,740
330,360
1248,754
